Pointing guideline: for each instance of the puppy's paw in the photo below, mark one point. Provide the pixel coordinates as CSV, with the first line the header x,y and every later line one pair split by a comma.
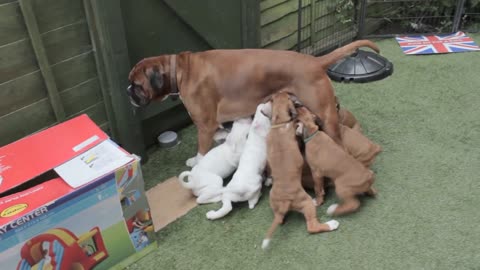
x,y
268,181
331,209
220,136
317,201
212,214
265,243
191,162
333,224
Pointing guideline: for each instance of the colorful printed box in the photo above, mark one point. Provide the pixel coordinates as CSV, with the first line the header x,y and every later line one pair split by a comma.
x,y
70,198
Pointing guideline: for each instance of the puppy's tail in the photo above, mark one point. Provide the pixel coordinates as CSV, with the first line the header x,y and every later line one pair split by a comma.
x,y
276,221
186,184
342,52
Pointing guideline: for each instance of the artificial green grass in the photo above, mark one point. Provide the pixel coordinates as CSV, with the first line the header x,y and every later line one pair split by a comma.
x,y
427,119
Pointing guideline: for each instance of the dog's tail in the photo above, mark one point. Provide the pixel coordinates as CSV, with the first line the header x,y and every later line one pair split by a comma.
x,y
226,208
186,184
342,52
276,221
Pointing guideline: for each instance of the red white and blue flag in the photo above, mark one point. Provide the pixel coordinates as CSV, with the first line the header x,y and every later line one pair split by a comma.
x,y
457,42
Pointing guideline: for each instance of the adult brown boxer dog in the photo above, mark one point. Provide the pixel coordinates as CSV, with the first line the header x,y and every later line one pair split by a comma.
x,y
218,86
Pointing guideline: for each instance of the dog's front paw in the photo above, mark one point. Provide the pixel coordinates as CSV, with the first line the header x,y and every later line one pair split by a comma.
x,y
191,162
212,214
331,209
333,224
252,203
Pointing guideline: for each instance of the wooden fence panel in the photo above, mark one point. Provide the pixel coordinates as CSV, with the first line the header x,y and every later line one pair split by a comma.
x,y
18,93
48,68
26,120
81,96
12,27
16,59
75,70
279,23
53,14
66,42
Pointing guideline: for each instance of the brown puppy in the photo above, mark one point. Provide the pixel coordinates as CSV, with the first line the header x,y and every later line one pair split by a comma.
x,y
327,159
217,86
359,146
308,183
286,162
347,118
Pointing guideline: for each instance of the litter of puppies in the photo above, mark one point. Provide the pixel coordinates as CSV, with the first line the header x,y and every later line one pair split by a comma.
x,y
285,143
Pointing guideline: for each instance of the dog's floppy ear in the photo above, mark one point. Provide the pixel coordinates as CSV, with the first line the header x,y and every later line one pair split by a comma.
x,y
268,99
296,102
292,110
156,80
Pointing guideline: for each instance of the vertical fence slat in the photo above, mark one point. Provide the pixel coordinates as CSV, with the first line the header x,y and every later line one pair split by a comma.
x,y
250,23
312,21
39,49
458,15
112,47
362,18
299,26
94,39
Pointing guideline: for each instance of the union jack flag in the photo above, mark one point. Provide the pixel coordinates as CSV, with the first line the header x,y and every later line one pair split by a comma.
x,y
457,42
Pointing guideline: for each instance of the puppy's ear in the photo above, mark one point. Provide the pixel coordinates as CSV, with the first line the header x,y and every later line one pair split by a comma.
x,y
156,80
297,104
292,110
337,103
266,109
299,129
318,122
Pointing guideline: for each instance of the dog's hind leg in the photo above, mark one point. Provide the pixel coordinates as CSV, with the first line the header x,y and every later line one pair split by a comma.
x,y
280,208
371,191
277,220
226,208
254,199
208,198
349,204
313,225
318,188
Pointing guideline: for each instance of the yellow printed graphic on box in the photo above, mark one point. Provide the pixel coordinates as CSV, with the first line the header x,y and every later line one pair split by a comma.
x,y
13,210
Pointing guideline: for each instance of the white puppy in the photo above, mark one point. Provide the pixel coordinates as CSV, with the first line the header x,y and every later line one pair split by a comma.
x,y
206,178
246,183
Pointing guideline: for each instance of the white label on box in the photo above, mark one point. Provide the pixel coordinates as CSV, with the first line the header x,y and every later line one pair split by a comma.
x,y
88,141
94,163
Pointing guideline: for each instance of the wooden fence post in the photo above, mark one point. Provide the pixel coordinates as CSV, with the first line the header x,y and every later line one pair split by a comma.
x,y
250,24
42,59
111,47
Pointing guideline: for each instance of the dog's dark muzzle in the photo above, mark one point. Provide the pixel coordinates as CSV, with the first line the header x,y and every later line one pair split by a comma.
x,y
136,96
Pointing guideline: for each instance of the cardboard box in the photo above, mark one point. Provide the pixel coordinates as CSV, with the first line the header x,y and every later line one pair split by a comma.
x,y
70,198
